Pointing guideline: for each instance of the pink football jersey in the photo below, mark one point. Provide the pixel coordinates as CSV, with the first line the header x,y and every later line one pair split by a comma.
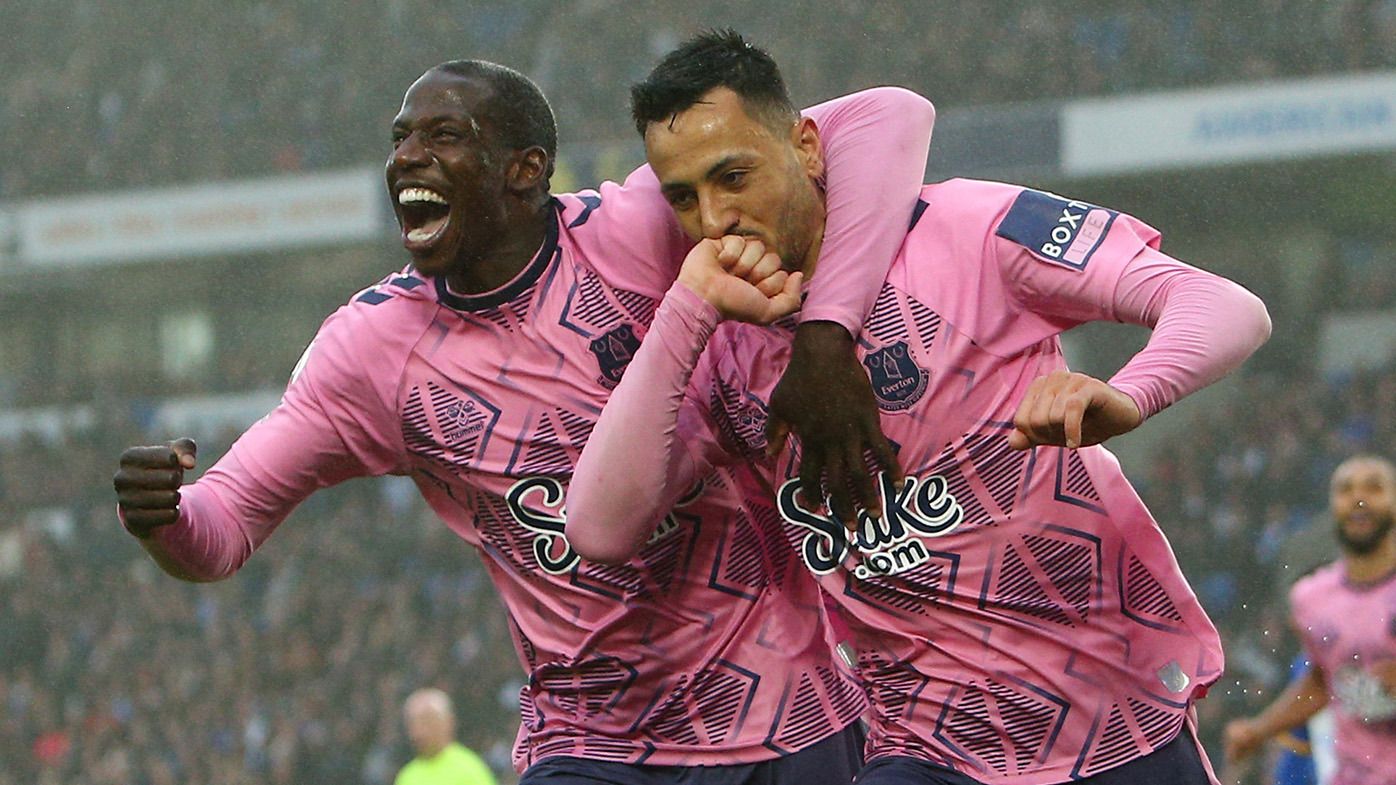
x,y
710,647
1016,616
1346,629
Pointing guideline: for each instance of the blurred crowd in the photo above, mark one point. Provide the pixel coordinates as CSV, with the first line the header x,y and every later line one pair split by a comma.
x,y
295,670
103,96
1242,493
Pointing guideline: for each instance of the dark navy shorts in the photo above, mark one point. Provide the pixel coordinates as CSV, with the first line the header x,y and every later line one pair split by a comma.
x,y
832,761
1176,763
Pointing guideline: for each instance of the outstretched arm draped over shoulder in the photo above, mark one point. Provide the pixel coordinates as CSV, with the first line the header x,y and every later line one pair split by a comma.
x,y
876,143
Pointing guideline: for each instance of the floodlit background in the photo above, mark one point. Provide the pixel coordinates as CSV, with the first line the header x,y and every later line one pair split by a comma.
x,y
189,187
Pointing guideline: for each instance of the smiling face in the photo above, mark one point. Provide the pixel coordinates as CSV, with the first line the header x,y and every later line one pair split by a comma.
x,y
1362,498
726,172
448,173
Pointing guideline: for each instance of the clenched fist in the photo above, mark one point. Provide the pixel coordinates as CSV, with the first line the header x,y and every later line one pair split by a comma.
x,y
147,484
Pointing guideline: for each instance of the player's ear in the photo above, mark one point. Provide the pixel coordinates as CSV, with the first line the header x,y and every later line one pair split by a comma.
x,y
810,150
529,170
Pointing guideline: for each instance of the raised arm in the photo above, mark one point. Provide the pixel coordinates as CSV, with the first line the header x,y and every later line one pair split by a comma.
x,y
653,441
1204,326
876,143
331,425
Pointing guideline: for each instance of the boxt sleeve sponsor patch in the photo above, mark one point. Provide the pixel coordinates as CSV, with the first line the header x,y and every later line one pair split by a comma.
x,y
1057,230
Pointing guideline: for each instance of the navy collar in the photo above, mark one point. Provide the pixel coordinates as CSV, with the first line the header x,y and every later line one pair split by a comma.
x,y
526,277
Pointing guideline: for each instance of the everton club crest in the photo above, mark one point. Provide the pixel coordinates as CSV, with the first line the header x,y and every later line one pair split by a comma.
x,y
613,353
897,382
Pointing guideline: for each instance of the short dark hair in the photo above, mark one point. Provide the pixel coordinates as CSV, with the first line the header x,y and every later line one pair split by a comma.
x,y
518,111
712,59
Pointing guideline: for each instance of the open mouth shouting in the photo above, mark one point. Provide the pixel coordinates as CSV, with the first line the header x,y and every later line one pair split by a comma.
x,y
424,214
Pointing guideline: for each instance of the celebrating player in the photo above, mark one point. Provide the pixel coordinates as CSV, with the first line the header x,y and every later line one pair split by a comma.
x,y
1345,614
480,370
1016,614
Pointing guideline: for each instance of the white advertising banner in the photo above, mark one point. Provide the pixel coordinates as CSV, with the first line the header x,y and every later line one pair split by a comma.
x,y
211,218
1251,122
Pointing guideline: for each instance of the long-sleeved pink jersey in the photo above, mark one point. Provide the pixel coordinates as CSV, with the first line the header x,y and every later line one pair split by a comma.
x,y
1347,629
710,646
1017,616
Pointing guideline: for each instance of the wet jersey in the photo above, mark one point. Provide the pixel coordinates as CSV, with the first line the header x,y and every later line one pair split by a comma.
x,y
1017,616
1347,628
710,646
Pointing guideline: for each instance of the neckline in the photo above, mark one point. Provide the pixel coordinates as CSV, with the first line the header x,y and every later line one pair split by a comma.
x,y
1363,586
526,277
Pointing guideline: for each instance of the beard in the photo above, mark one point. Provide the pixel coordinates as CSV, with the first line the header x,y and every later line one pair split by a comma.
x,y
796,227
1367,543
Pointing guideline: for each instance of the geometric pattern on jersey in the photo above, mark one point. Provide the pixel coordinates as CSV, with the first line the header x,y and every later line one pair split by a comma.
x,y
807,717
996,466
1006,725
667,555
593,308
517,542
741,419
526,647
949,466
593,747
747,558
916,591
1143,598
1073,482
1130,731
780,561
1053,575
706,710
888,323
553,446
510,315
894,687
608,318
661,559
464,424
587,688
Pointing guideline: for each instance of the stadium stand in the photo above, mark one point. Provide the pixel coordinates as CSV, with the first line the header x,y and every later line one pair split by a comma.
x,y
112,673
208,91
294,671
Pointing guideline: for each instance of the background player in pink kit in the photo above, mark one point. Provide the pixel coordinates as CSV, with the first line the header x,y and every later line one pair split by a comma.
x,y
479,371
1345,614
1016,614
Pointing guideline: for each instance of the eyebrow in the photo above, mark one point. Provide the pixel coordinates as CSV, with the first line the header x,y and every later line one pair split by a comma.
x,y
468,120
722,163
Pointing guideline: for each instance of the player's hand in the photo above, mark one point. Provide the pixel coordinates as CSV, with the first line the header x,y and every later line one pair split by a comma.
x,y
147,484
1242,739
1073,410
738,277
825,398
